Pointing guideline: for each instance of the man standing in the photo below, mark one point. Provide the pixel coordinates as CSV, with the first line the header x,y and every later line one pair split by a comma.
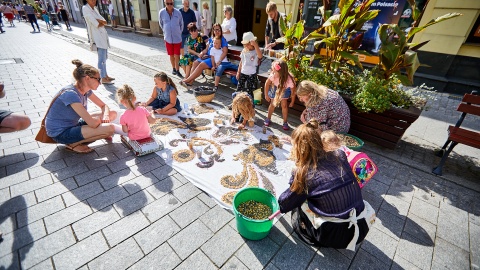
x,y
273,28
111,11
171,22
32,18
188,17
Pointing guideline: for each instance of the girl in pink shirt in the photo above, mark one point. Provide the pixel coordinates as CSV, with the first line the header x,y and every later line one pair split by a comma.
x,y
136,119
279,87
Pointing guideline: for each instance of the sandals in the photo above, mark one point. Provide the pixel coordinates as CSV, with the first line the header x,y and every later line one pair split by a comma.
x,y
79,149
267,122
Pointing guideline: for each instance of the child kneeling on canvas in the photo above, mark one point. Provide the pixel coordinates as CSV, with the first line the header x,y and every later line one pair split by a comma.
x,y
243,106
164,99
136,119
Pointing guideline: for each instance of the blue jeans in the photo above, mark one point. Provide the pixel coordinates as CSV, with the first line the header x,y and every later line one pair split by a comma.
x,y
223,66
102,62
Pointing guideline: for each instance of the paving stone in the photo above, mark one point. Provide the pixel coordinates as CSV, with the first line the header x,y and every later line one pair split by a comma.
x,y
395,206
234,263
281,229
19,238
453,214
116,179
424,210
47,264
400,263
474,246
162,257
380,244
197,260
257,254
107,198
46,168
428,196
156,234
189,239
401,191
328,258
16,204
70,171
14,179
10,261
82,193
146,166
456,234
21,148
203,197
121,256
55,189
163,171
188,212
39,211
271,266
417,254
181,178
448,256
125,227
363,260
140,182
95,222
161,207
420,229
67,216
133,202
46,247
92,175
293,255
186,192
374,200
31,185
389,224
376,187
104,159
4,194
123,163
222,245
216,218
81,253
164,186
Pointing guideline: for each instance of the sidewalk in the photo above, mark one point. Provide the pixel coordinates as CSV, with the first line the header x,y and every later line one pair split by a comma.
x,y
111,210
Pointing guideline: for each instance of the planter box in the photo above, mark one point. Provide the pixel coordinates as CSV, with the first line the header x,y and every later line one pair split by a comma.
x,y
385,129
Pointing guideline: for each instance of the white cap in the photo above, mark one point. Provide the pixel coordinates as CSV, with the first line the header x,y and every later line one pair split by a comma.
x,y
247,37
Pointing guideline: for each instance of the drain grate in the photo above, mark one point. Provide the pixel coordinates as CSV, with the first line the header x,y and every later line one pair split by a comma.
x,y
455,97
11,61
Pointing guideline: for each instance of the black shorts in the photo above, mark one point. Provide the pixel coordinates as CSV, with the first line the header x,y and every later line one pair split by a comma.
x,y
4,114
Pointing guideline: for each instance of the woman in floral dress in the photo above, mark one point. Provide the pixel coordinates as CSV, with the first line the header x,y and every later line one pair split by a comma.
x,y
195,45
325,105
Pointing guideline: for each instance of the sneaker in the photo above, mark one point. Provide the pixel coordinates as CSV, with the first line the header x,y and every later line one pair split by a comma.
x,y
285,126
174,72
184,84
179,74
267,122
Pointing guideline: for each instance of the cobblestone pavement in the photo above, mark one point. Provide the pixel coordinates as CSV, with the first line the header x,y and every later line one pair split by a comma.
x,y
111,210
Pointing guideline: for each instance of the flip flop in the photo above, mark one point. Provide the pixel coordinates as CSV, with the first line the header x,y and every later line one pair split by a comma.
x,y
77,150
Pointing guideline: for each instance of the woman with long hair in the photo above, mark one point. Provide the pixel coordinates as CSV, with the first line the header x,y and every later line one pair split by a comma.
x,y
324,196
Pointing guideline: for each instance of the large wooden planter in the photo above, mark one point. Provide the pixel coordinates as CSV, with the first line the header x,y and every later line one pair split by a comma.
x,y
385,129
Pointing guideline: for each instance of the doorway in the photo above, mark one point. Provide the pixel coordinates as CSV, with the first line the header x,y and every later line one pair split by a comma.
x,y
246,9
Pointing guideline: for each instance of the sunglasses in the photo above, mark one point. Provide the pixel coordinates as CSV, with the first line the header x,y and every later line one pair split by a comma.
x,y
169,4
216,29
98,79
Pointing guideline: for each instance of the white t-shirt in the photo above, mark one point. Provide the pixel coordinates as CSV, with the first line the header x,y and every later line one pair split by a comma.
x,y
110,9
249,62
217,53
232,26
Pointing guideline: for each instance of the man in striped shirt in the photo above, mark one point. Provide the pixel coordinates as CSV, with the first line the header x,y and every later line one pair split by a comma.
x,y
30,11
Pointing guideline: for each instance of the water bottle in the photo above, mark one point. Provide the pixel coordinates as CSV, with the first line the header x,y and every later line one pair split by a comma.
x,y
185,107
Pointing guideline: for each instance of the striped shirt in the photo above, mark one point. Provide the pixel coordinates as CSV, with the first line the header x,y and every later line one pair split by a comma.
x,y
28,9
333,190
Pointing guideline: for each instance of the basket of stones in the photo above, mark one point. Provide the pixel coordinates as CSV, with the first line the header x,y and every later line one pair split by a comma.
x,y
204,94
350,141
252,207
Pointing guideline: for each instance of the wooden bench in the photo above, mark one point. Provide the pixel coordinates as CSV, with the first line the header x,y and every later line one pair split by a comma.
x,y
456,134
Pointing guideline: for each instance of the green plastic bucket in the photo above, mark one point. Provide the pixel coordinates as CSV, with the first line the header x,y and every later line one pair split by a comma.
x,y
254,229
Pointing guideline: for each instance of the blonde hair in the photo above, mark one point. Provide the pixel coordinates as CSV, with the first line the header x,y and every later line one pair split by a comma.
x,y
317,92
162,76
284,76
126,93
205,5
243,104
307,149
83,70
271,6
330,140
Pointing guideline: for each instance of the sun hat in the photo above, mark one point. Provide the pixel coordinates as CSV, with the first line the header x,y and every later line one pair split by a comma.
x,y
247,37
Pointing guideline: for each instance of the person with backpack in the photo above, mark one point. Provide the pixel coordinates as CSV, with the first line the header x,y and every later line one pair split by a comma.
x,y
272,30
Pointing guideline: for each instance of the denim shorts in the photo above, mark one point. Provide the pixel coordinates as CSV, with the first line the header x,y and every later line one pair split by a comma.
x,y
72,134
273,90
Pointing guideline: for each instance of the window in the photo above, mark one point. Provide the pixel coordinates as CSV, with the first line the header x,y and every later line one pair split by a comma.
x,y
474,36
